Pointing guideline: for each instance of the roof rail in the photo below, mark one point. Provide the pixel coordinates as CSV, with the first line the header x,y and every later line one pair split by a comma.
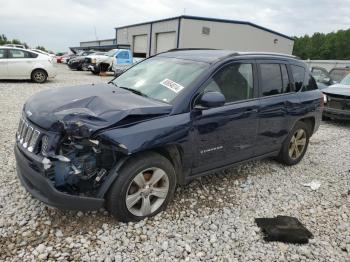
x,y
191,48
268,53
235,53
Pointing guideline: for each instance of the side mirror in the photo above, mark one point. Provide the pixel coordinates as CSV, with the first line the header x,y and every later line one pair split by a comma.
x,y
210,100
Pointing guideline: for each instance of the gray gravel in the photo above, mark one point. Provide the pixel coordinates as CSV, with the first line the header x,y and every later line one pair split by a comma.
x,y
210,219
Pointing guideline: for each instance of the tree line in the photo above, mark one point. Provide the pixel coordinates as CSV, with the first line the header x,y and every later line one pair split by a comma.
x,y
335,45
4,40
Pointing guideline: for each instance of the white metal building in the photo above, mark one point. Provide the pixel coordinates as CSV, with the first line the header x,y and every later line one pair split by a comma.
x,y
102,45
150,38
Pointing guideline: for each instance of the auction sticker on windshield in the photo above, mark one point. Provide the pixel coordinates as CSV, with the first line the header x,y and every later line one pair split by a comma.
x,y
173,86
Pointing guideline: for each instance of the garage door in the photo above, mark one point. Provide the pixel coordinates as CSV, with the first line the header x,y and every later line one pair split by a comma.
x,y
140,44
166,41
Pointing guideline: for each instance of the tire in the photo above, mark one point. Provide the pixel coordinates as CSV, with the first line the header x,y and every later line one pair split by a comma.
x,y
39,76
96,70
143,200
325,118
291,154
85,67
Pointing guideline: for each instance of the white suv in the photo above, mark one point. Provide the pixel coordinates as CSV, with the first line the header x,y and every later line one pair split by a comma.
x,y
19,63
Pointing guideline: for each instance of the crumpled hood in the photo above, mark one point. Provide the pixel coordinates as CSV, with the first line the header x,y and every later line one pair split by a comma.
x,y
338,89
88,107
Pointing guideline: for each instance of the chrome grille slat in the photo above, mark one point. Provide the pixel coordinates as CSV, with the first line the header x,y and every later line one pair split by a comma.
x,y
20,125
24,132
33,140
27,135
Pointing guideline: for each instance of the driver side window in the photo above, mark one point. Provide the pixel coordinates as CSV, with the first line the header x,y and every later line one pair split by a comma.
x,y
234,81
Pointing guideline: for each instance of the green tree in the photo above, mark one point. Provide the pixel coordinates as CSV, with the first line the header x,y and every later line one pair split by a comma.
x,y
41,48
333,45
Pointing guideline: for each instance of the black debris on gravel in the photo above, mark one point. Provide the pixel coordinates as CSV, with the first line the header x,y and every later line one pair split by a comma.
x,y
284,229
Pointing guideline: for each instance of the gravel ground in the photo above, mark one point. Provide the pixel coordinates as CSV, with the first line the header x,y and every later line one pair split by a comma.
x,y
209,219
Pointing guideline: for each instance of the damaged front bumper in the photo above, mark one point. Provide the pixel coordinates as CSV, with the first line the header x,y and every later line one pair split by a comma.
x,y
336,113
31,172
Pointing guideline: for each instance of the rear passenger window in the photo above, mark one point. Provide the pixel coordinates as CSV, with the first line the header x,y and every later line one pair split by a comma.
x,y
14,53
235,82
2,53
299,76
285,78
311,84
33,55
271,79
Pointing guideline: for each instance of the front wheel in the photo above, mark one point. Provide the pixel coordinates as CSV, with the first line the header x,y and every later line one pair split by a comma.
x,y
295,145
144,187
85,67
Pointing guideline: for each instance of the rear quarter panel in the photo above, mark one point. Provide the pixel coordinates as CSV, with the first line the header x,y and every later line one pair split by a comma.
x,y
312,106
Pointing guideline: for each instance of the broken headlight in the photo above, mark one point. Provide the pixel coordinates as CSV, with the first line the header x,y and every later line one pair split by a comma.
x,y
81,164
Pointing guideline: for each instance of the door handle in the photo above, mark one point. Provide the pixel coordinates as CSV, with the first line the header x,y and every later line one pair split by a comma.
x,y
251,110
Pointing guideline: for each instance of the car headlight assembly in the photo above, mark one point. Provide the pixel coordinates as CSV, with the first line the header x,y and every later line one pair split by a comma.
x,y
325,99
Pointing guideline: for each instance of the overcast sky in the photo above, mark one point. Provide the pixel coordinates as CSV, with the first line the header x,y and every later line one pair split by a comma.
x,y
58,24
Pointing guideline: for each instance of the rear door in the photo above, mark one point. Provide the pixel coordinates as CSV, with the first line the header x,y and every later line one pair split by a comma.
x,y
20,63
279,105
227,134
3,64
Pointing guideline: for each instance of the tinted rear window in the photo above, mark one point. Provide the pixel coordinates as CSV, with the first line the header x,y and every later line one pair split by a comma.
x,y
2,53
311,84
271,79
299,76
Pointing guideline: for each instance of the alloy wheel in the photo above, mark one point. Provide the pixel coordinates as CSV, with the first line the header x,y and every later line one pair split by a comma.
x,y
39,76
147,192
297,144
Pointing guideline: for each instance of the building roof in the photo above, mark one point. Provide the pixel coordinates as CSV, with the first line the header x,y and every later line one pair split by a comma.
x,y
213,55
211,20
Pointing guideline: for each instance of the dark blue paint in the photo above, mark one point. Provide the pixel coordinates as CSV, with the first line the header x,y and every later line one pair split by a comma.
x,y
207,139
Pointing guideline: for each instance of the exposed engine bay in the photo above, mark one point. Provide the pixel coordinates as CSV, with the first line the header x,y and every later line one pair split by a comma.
x,y
81,165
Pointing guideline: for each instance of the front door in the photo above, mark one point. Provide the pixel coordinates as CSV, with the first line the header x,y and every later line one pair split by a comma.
x,y
227,134
123,58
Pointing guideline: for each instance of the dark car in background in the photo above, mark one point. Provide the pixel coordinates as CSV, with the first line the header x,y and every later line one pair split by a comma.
x,y
337,100
325,78
171,118
78,62
337,74
322,77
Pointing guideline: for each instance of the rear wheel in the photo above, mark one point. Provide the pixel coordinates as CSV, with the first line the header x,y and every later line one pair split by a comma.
x,y
144,187
295,145
39,76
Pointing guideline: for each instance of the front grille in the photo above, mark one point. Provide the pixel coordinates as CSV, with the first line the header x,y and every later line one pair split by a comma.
x,y
27,135
340,103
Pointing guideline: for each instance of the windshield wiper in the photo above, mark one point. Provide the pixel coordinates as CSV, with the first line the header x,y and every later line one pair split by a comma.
x,y
137,92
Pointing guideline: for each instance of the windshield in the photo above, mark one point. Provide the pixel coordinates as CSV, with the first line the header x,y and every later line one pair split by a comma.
x,y
161,78
346,80
110,53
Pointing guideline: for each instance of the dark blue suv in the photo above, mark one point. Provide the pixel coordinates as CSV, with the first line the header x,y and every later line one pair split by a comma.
x,y
178,115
